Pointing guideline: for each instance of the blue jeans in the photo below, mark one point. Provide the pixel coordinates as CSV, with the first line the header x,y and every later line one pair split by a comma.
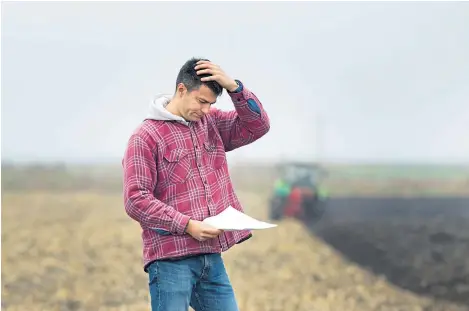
x,y
200,282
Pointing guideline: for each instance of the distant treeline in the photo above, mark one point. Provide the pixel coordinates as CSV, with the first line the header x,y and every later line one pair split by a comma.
x,y
341,179
60,177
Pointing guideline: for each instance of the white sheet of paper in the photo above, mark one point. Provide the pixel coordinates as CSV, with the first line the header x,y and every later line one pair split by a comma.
x,y
231,219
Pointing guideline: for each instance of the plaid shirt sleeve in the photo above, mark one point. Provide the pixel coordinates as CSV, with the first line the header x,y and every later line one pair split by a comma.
x,y
243,125
140,176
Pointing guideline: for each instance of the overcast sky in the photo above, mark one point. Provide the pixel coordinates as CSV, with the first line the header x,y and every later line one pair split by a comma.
x,y
382,81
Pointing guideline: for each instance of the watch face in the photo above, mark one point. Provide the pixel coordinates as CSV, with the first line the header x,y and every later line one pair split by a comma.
x,y
240,86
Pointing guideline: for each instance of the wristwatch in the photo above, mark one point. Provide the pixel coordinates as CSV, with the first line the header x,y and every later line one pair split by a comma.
x,y
240,87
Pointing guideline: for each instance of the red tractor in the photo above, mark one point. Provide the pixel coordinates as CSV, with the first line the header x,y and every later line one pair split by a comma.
x,y
297,192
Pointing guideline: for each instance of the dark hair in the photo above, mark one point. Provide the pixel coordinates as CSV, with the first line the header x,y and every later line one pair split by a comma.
x,y
189,77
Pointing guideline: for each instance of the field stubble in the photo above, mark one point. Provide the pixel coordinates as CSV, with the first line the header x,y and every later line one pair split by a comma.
x,y
80,251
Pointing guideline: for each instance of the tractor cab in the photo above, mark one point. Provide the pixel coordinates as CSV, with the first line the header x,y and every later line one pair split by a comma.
x,y
297,174
296,189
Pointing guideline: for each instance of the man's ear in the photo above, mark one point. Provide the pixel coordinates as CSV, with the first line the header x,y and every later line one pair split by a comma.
x,y
181,90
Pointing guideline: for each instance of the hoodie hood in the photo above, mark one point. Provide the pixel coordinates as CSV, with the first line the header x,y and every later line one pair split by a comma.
x,y
158,110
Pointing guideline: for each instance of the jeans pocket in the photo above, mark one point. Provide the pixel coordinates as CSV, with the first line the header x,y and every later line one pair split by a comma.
x,y
152,273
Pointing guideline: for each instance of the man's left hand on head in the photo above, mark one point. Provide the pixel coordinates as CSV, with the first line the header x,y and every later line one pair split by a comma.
x,y
204,67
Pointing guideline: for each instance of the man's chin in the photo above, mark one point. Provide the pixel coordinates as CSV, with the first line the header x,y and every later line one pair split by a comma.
x,y
195,118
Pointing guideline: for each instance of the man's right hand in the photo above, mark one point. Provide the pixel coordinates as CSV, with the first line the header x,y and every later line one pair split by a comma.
x,y
200,231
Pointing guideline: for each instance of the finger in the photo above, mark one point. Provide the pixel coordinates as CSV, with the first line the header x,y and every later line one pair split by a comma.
x,y
200,62
210,230
213,232
204,238
209,236
206,71
203,65
218,232
206,65
209,78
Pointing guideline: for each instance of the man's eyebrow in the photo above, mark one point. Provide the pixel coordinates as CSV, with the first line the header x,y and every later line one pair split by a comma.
x,y
203,100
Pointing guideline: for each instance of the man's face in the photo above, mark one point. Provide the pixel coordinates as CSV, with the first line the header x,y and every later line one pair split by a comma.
x,y
196,104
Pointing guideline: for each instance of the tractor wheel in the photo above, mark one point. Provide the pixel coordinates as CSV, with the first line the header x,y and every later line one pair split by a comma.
x,y
276,209
314,210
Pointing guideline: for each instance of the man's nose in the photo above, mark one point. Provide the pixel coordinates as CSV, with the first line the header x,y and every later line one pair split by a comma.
x,y
205,109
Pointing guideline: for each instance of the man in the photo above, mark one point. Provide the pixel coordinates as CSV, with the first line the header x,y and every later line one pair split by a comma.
x,y
176,175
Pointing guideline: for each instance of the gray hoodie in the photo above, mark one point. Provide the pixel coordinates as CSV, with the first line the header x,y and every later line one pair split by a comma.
x,y
158,110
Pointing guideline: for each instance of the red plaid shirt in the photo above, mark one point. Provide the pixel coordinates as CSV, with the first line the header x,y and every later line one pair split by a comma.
x,y
175,172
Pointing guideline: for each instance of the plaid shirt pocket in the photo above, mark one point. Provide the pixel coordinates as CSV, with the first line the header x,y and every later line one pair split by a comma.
x,y
216,157
178,165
